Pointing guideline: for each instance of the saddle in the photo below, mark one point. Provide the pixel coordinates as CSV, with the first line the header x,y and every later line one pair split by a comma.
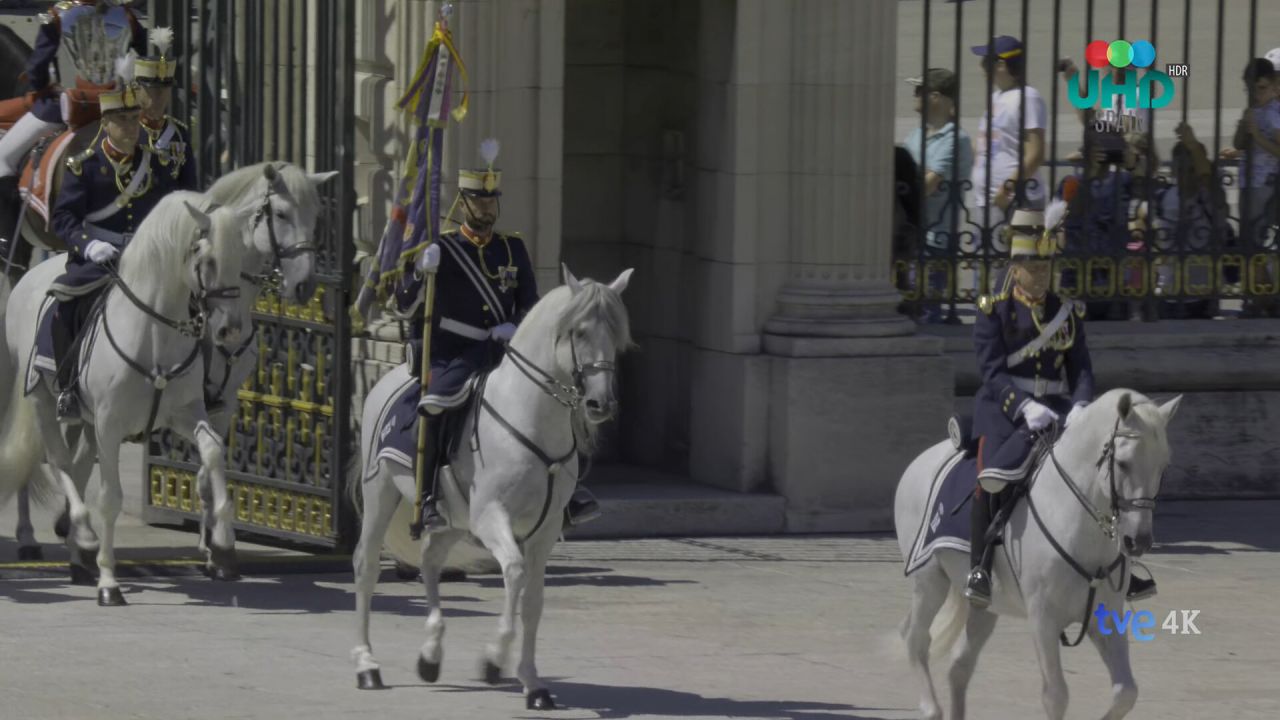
x,y
80,106
40,175
12,110
45,360
960,430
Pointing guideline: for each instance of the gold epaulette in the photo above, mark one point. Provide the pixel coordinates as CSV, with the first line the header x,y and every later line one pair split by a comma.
x,y
181,125
75,163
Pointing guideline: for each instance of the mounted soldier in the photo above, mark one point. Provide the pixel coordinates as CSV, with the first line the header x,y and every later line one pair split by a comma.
x,y
108,190
1035,368
164,136
97,32
484,286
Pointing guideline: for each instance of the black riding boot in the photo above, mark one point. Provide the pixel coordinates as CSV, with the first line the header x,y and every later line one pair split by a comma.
x,y
11,246
431,520
978,587
65,326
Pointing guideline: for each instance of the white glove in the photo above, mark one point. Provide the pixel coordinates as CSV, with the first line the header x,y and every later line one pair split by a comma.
x,y
429,259
503,332
1075,413
101,252
1038,416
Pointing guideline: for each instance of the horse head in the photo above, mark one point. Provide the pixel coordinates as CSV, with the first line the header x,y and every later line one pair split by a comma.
x,y
1133,463
212,270
285,204
591,331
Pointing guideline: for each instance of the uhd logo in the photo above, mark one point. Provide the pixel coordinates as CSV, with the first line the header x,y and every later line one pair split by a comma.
x,y
1122,55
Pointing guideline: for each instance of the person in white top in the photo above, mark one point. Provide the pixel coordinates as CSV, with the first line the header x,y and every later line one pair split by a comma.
x,y
1015,151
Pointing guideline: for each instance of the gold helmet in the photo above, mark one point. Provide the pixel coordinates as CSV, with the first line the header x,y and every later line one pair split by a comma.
x,y
482,182
157,69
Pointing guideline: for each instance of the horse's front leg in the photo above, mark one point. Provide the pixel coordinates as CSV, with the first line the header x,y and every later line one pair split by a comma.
x,y
494,530
435,550
110,498
537,696
1054,691
217,536
1114,649
28,548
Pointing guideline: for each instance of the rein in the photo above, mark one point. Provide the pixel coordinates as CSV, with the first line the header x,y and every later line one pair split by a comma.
x,y
1106,523
279,253
568,396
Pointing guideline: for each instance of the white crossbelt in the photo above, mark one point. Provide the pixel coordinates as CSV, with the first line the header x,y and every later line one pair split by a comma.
x,y
463,329
1041,386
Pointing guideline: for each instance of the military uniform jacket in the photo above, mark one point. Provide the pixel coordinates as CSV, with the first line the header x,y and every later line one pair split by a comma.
x,y
90,185
62,17
171,155
1016,366
469,301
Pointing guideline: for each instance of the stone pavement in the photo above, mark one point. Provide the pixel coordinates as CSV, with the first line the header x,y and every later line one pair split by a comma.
x,y
787,628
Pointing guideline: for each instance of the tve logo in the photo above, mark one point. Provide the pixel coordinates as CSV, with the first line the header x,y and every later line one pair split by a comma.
x,y
1121,55
1136,623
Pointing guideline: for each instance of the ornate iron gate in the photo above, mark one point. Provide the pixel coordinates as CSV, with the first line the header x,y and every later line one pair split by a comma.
x,y
274,81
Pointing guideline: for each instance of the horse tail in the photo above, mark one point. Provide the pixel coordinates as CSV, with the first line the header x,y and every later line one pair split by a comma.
x,y
19,449
947,625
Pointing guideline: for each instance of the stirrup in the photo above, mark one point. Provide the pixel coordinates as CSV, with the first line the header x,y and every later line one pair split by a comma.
x,y
978,588
582,508
1140,588
68,410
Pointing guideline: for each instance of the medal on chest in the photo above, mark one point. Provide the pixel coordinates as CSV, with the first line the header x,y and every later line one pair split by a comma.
x,y
507,278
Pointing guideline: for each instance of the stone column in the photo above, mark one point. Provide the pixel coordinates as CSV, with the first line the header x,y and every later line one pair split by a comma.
x,y
854,394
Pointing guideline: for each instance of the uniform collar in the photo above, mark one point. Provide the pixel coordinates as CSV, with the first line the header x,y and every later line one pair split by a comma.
x,y
114,154
157,127
475,239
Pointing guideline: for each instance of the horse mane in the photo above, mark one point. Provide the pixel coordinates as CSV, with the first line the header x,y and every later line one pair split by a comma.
x,y
598,304
248,184
161,246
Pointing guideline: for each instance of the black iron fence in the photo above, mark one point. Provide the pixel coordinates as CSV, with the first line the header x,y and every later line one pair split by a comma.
x,y
274,81
1168,214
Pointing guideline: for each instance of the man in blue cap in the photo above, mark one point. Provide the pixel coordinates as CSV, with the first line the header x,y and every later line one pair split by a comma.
x,y
1011,138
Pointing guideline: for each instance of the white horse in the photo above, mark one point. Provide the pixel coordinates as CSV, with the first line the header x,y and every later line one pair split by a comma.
x,y
1093,497
512,477
285,204
142,363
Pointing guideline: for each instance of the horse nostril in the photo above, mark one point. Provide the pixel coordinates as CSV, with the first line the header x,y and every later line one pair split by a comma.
x,y
593,404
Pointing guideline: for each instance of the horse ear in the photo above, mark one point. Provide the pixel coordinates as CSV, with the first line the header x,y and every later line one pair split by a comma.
x,y
275,179
201,219
1170,408
575,285
1125,406
318,179
620,283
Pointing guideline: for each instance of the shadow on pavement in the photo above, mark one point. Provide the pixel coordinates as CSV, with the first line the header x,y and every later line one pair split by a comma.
x,y
571,576
619,701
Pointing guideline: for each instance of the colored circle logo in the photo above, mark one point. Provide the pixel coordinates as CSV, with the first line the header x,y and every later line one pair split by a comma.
x,y
1096,54
1120,54
1144,53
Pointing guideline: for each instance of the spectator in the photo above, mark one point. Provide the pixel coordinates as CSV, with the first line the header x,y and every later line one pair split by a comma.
x,y
1257,145
1096,225
947,161
1014,151
906,222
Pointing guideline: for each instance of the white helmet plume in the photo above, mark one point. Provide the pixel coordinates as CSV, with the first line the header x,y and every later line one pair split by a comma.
x,y
162,38
489,151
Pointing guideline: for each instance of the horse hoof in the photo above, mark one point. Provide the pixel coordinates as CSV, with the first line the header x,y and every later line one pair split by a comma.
x,y
81,575
30,553
62,527
428,671
111,597
370,680
540,700
491,673
406,572
223,565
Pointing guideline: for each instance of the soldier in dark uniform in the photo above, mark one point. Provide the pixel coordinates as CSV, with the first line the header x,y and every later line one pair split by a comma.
x,y
107,191
164,136
103,30
485,285
1035,369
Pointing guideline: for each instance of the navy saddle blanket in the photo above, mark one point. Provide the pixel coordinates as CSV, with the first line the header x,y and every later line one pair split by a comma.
x,y
942,526
397,437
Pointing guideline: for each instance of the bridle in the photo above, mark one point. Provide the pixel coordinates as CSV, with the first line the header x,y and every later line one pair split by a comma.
x,y
279,253
1119,503
1107,523
569,396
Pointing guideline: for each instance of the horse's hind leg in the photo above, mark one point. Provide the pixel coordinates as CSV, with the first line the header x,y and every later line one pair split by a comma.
x,y
1114,649
28,548
927,596
71,474
494,530
977,631
1054,692
380,500
435,550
